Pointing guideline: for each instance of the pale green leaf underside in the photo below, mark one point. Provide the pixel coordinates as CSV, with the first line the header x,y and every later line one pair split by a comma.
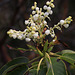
x,y
69,57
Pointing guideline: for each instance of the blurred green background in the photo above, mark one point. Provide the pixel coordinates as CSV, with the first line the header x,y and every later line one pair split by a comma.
x,y
12,16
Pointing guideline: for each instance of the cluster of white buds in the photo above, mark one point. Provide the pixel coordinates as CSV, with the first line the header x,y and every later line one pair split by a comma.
x,y
66,22
48,7
16,34
37,27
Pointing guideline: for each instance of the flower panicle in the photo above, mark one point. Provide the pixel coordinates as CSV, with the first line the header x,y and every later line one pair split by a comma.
x,y
37,26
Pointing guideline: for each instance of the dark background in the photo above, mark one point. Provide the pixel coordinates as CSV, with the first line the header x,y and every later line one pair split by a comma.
x,y
12,16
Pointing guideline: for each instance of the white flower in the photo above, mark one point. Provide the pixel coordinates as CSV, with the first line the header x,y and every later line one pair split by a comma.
x,y
33,12
27,39
51,12
11,31
45,22
66,25
37,8
35,17
46,14
32,24
20,37
47,32
45,7
26,21
14,36
47,2
48,8
61,22
35,35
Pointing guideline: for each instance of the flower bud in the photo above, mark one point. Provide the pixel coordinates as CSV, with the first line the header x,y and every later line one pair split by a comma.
x,y
14,36
48,8
52,0
52,5
47,2
45,7
26,21
47,32
33,12
35,35
35,17
33,7
62,22
50,12
28,39
46,14
45,22
19,37
66,25
32,24
37,9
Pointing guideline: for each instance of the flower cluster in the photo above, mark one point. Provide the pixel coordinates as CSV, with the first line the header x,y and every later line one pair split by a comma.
x,y
37,27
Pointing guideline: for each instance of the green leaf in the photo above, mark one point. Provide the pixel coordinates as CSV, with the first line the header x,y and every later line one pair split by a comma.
x,y
50,49
33,72
38,68
45,46
69,57
23,49
18,70
41,71
67,51
55,67
59,67
12,64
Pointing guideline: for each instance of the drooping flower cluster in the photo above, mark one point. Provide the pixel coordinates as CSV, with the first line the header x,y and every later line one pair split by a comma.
x,y
37,27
